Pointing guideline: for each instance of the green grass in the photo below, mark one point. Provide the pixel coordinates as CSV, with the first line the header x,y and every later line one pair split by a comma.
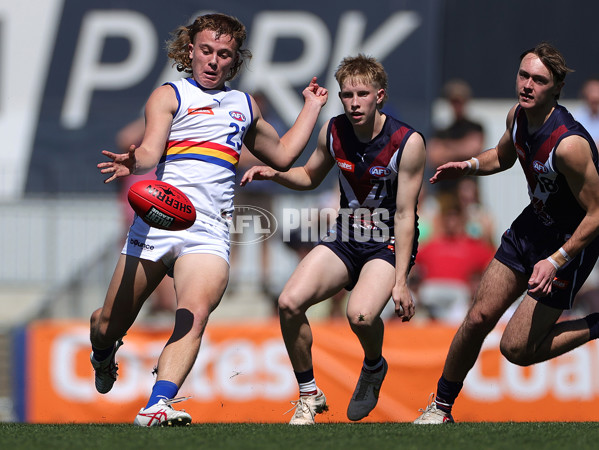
x,y
364,436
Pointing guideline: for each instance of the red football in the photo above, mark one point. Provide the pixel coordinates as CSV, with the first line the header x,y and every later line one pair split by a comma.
x,y
161,205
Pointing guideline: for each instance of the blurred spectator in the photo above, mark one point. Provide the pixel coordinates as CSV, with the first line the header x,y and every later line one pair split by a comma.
x,y
588,114
449,266
479,222
587,299
463,138
428,209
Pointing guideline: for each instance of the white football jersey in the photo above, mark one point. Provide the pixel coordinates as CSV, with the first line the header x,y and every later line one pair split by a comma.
x,y
204,145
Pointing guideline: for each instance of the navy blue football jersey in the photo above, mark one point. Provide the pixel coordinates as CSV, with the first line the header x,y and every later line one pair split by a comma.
x,y
550,196
368,171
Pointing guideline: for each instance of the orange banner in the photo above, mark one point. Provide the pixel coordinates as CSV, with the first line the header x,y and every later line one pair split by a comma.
x,y
242,374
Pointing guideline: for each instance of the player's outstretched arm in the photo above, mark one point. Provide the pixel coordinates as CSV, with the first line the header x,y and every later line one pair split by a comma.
x,y
281,152
159,112
450,171
255,173
121,164
494,160
302,178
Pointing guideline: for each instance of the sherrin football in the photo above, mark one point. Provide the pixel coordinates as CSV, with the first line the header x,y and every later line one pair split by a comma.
x,y
161,205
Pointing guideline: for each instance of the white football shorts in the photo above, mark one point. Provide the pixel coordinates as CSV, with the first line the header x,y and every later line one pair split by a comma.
x,y
205,236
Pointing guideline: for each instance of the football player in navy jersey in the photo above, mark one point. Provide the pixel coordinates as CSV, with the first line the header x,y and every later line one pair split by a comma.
x,y
381,164
551,247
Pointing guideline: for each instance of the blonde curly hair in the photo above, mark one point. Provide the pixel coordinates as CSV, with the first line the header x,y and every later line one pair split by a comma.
x,y
222,24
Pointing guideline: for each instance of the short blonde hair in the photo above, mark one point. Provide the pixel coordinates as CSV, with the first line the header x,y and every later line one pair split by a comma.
x,y
363,69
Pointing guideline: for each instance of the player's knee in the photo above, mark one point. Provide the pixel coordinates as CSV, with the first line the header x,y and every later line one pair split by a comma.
x,y
190,323
192,318
95,321
95,318
514,353
477,322
360,319
289,305
99,328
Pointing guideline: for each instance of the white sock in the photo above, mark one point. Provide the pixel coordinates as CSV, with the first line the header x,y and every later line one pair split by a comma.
x,y
308,388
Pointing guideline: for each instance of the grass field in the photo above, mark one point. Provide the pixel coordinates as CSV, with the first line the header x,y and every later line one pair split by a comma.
x,y
368,436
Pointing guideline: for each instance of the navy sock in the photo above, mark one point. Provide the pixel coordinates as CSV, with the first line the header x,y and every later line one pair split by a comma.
x,y
593,323
304,377
447,392
162,389
306,383
373,365
100,354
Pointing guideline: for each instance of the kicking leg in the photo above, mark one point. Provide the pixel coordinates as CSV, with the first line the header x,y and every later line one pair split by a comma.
x,y
132,282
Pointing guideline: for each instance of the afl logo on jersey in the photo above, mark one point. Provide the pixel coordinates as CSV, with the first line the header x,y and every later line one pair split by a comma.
x,y
539,167
237,116
379,171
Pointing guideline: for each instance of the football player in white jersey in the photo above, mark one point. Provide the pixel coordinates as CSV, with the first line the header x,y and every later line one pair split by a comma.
x,y
211,51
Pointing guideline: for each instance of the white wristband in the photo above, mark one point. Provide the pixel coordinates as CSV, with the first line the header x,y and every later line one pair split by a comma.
x,y
564,254
470,168
553,262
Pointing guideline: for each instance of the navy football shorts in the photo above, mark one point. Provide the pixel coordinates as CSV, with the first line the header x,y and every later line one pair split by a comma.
x,y
355,254
528,241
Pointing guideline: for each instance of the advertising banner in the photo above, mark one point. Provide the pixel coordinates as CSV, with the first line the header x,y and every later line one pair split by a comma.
x,y
242,374
97,62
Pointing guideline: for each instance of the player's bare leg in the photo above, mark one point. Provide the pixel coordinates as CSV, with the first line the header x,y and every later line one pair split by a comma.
x,y
366,302
132,282
306,287
200,282
499,288
532,334
317,277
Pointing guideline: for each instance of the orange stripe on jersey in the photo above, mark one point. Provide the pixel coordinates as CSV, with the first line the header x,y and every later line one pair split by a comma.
x,y
191,148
